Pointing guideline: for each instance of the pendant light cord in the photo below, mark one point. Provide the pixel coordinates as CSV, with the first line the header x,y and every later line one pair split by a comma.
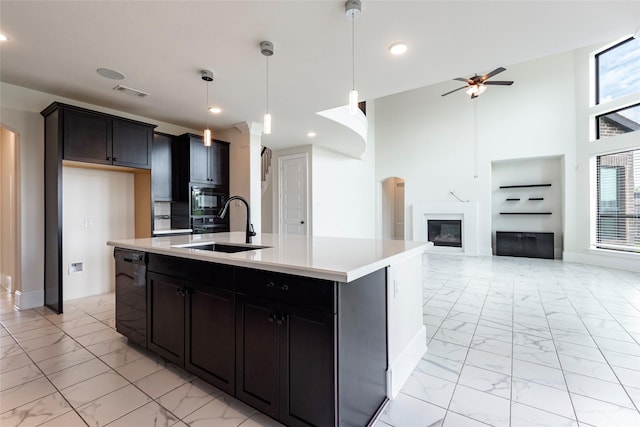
x,y
353,52
207,123
267,85
475,138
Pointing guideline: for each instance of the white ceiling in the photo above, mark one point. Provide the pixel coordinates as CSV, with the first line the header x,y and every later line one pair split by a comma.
x,y
161,46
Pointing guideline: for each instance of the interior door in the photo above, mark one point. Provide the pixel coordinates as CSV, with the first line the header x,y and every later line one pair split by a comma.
x,y
293,194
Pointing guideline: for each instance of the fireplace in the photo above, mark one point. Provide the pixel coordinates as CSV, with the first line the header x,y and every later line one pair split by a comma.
x,y
445,232
462,215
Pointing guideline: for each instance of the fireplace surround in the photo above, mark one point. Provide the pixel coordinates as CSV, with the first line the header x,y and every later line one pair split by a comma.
x,y
466,213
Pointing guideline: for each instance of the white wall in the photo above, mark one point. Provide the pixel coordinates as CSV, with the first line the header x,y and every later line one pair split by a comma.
x,y
427,139
99,206
20,111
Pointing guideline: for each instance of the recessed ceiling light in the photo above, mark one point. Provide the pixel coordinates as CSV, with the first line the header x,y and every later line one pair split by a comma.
x,y
3,38
110,74
311,134
398,48
215,110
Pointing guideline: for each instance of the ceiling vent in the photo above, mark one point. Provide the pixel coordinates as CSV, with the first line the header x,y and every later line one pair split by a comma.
x,y
131,91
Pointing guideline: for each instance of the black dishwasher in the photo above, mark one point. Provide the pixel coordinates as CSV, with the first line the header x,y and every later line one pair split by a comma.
x,y
131,294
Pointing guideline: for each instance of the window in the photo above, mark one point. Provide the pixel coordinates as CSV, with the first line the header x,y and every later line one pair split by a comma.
x,y
618,122
618,208
618,71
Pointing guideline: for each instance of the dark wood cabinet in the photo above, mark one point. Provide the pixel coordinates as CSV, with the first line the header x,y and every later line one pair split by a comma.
x,y
192,317
87,137
132,144
305,351
200,164
210,350
282,347
79,135
161,185
94,137
166,321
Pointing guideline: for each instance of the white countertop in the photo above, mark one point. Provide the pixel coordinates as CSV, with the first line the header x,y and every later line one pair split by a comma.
x,y
330,258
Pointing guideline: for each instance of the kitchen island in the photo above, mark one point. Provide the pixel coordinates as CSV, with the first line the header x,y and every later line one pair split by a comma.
x,y
309,330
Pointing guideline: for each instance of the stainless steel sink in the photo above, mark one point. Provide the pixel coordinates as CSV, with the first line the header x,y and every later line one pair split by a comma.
x,y
221,247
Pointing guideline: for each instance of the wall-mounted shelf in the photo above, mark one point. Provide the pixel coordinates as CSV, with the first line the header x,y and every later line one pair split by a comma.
x,y
525,213
514,199
525,186
536,198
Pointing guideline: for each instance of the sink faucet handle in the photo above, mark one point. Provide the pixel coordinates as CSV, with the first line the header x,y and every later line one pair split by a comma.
x,y
251,231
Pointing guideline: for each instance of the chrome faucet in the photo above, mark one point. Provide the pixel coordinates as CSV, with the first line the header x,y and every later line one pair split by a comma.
x,y
249,231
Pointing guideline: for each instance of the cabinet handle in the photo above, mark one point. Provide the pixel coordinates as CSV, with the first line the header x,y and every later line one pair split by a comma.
x,y
109,158
280,318
115,159
272,317
271,285
283,287
181,292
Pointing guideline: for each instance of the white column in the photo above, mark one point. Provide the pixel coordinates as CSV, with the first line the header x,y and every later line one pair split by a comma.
x,y
244,172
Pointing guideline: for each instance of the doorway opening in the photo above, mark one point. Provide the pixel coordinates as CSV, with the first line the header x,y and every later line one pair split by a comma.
x,y
393,211
9,244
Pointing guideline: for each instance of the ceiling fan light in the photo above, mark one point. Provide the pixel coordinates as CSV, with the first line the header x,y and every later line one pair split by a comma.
x,y
476,90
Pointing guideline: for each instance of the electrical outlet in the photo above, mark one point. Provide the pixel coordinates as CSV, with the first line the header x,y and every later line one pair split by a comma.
x,y
76,267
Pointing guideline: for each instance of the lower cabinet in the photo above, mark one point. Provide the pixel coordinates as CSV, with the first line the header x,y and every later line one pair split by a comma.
x,y
192,325
307,352
285,361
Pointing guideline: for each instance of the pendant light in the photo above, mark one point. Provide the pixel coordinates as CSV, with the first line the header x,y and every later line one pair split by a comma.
x,y
352,9
266,48
207,76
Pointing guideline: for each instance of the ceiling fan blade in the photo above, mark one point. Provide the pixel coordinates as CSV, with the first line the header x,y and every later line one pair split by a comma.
x,y
492,73
461,79
499,83
455,90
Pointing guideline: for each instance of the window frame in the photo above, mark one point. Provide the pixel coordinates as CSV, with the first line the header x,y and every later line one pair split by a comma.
x,y
606,113
597,65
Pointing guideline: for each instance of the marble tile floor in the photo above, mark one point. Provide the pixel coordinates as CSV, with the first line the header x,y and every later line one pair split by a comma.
x,y
512,342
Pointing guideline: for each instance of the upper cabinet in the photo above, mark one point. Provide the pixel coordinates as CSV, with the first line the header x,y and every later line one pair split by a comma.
x,y
93,137
161,170
203,165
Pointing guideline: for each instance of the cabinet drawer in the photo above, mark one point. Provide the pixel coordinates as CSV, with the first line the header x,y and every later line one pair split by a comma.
x,y
201,272
302,291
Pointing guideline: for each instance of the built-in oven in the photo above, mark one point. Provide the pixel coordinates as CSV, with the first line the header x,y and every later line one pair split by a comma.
x,y
208,224
206,200
205,204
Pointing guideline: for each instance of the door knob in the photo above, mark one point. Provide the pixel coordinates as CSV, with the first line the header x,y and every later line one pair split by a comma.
x,y
301,222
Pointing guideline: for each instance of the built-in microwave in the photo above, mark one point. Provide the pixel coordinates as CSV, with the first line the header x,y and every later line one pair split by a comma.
x,y
206,200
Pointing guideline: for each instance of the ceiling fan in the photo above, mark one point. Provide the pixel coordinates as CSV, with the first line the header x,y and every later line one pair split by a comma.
x,y
476,85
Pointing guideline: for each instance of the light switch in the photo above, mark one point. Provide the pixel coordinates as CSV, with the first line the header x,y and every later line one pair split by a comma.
x,y
76,267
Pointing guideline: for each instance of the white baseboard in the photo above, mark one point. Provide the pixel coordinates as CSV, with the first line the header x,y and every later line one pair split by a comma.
x,y
605,258
27,300
400,369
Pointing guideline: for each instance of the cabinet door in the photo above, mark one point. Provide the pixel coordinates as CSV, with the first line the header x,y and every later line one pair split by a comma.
x,y
87,137
161,168
257,354
210,343
307,367
131,144
199,161
165,303
219,164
